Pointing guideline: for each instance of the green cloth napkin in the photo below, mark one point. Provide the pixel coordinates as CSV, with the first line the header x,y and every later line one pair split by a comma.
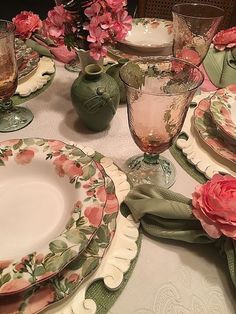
x,y
166,214
42,50
220,67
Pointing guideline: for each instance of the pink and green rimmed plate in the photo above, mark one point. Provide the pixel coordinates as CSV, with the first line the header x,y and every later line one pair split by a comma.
x,y
52,203
149,34
223,111
62,285
208,132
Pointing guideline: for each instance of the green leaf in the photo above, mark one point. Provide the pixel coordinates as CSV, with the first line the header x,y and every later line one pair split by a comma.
x,y
87,230
29,141
39,271
77,263
93,247
77,152
103,234
85,159
17,145
2,162
58,246
75,236
80,222
40,142
89,265
54,263
5,278
77,184
68,255
109,217
88,172
87,199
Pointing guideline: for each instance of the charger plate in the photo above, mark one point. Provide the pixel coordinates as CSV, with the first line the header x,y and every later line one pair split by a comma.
x,y
223,111
52,203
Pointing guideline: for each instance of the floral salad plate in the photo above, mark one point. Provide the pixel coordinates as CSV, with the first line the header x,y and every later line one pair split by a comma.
x,y
62,285
53,200
223,111
208,132
149,34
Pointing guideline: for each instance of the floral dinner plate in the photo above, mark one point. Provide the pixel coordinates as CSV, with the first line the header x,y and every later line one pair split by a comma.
x,y
149,34
52,203
208,131
68,280
223,111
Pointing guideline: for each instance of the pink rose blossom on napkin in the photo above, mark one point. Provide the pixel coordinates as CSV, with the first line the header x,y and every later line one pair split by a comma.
x,y
26,22
225,39
214,204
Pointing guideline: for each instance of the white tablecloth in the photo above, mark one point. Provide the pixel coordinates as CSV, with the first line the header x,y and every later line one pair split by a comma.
x,y
169,277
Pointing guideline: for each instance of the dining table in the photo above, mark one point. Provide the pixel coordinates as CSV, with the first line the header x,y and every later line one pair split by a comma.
x,y
169,276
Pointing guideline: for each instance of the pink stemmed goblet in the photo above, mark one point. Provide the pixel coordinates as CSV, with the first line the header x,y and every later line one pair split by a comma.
x,y
12,117
159,91
194,26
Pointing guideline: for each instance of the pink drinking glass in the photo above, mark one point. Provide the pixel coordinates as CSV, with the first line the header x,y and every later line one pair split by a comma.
x,y
194,26
159,91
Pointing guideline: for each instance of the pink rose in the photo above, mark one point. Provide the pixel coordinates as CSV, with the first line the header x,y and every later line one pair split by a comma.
x,y
40,299
225,39
94,215
214,204
73,277
112,205
14,285
26,23
189,55
24,157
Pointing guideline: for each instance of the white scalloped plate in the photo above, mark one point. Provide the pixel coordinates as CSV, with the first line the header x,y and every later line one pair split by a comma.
x,y
197,152
36,79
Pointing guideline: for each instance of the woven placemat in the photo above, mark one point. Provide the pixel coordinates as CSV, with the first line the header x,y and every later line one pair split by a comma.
x,y
186,165
18,100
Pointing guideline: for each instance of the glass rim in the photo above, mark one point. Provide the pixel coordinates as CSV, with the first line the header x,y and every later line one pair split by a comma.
x,y
168,59
204,5
11,29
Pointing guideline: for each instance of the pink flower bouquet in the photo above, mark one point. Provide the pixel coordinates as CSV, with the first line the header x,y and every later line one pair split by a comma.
x,y
225,39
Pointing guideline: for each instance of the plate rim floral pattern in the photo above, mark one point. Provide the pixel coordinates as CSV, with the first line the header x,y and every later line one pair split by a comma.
x,y
78,232
30,59
73,275
148,21
201,113
221,113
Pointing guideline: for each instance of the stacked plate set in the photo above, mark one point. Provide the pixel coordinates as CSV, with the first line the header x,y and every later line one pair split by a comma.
x,y
211,132
58,217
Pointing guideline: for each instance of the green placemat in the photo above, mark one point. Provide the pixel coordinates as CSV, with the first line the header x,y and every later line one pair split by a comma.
x,y
103,297
186,165
17,100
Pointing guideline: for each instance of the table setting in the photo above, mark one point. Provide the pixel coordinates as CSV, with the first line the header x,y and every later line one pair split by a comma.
x,y
118,176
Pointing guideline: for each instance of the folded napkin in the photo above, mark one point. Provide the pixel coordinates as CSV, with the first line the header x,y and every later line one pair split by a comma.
x,y
220,66
166,214
46,48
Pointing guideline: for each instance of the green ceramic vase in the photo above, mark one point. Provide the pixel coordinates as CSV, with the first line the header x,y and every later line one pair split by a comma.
x,y
95,96
114,71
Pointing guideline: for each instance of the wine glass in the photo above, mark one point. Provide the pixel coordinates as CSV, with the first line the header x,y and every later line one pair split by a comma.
x,y
159,91
194,26
11,118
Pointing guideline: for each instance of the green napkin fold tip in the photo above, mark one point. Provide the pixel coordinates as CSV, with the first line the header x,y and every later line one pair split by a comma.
x,y
42,50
